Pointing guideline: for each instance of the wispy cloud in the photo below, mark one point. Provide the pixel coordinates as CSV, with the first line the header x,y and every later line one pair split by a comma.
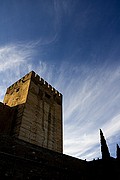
x,y
91,103
14,55
90,96
15,60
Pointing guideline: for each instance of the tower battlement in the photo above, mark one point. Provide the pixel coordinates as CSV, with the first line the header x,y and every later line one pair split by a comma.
x,y
20,81
37,79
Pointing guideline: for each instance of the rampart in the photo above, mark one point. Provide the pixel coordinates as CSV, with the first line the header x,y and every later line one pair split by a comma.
x,y
6,118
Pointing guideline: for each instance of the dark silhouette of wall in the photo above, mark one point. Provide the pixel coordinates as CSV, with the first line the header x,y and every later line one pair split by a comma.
x,y
21,159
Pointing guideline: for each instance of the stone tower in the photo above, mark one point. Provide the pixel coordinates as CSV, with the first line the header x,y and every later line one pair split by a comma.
x,y
38,117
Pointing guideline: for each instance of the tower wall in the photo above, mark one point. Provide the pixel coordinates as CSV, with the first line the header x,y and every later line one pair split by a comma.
x,y
6,118
16,96
17,93
39,112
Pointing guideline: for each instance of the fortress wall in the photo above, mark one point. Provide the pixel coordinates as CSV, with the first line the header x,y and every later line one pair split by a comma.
x,y
6,118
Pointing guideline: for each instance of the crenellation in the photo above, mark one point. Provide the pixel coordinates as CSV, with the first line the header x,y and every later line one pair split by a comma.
x,y
33,74
54,90
39,80
50,87
60,94
20,81
46,84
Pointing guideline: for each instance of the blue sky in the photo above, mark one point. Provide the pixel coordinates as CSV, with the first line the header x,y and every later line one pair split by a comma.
x,y
75,46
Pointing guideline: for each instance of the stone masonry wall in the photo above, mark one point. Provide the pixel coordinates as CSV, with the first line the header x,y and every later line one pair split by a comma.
x,y
6,118
42,116
17,120
16,96
17,93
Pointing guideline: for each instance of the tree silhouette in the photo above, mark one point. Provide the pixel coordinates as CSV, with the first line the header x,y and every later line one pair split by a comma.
x,y
104,147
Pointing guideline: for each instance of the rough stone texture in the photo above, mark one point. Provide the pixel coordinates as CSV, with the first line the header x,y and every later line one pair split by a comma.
x,y
38,117
22,160
17,93
17,121
6,118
